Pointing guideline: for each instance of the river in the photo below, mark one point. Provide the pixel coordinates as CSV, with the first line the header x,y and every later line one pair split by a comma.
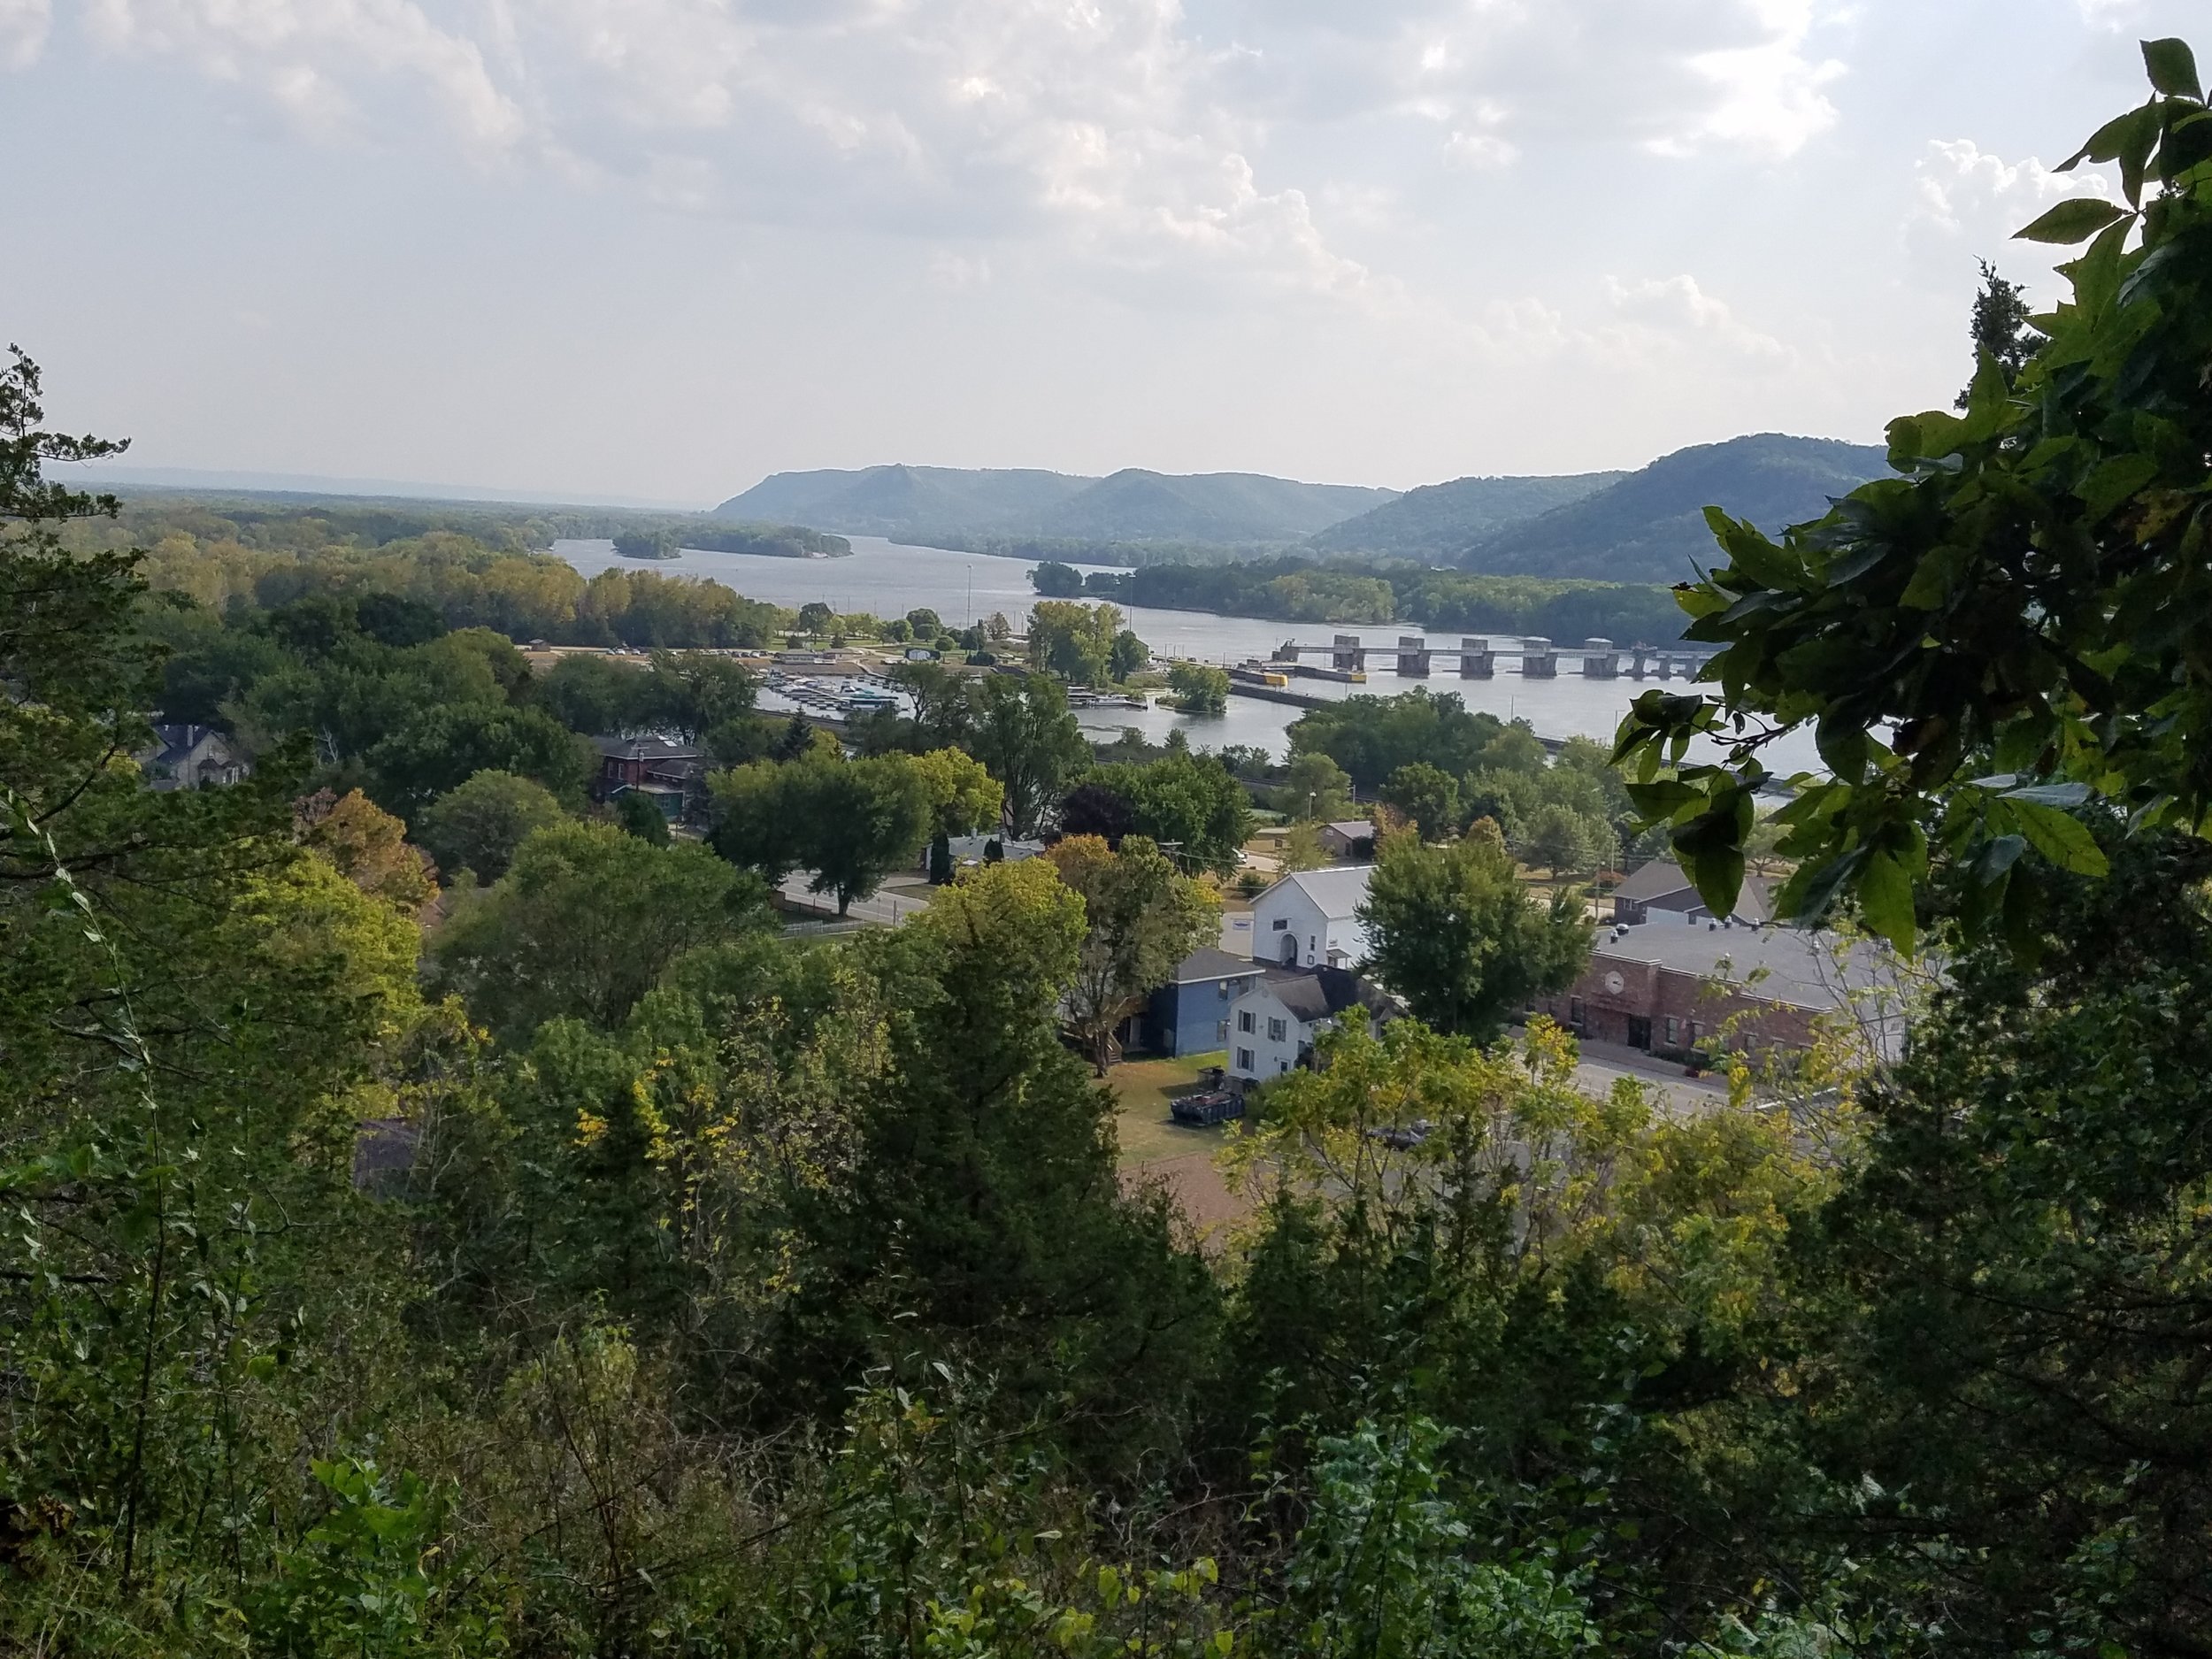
x,y
889,579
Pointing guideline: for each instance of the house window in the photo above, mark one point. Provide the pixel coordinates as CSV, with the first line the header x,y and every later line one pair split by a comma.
x,y
1281,1066
1221,1031
1574,1010
1244,1021
1275,1032
1224,988
1674,1031
1279,924
1244,1061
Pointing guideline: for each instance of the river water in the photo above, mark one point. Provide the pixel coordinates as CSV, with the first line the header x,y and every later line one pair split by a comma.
x,y
889,579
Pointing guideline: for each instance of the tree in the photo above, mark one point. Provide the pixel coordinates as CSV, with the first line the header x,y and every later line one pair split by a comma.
x,y
584,923
1199,687
1454,932
640,815
850,822
367,846
1315,789
997,628
926,623
1075,642
597,695
941,869
1372,737
1300,849
2002,328
1427,795
442,748
815,619
1140,919
1983,646
963,796
1126,657
696,691
1563,840
477,825
1187,803
1030,742
1057,581
982,1215
1095,809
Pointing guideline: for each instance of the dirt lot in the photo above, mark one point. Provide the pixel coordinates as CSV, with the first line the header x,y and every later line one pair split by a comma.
x,y
1156,1148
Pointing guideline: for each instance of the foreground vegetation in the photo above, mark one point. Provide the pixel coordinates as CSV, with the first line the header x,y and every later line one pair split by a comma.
x,y
694,1293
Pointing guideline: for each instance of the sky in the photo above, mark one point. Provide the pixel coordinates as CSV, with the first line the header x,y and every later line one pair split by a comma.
x,y
656,249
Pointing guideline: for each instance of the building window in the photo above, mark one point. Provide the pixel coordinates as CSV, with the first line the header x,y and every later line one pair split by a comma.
x,y
1221,1031
1279,924
1275,1032
1224,989
1281,1066
1244,1021
1244,1061
1574,1010
1674,1031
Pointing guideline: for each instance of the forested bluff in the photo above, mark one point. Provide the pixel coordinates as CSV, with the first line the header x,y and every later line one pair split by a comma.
x,y
740,1295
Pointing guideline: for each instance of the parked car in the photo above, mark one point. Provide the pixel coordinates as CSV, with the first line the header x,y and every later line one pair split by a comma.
x,y
1215,1106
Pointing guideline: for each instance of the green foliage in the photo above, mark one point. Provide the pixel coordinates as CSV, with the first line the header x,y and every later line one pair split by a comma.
x,y
1080,643
1427,795
1055,581
850,822
1199,687
640,815
1371,737
1315,788
1987,647
1023,732
1187,803
1453,931
584,924
1141,918
477,825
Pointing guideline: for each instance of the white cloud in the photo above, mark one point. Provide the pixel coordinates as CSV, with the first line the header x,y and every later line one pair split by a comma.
x,y
1131,134
1675,312
23,29
1961,189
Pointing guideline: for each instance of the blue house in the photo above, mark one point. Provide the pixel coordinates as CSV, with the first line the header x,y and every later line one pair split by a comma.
x,y
1190,1014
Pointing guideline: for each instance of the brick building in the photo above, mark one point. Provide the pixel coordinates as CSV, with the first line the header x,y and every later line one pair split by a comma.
x,y
1668,986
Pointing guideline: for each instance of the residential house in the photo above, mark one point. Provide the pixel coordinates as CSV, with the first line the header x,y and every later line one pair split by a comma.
x,y
1190,1013
1347,837
190,757
1671,989
1311,920
1659,892
672,775
1272,1026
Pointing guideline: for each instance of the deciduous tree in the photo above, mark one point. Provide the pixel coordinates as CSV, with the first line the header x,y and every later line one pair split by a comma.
x,y
1141,918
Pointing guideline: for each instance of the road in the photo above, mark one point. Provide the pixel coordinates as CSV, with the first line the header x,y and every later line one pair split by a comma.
x,y
885,909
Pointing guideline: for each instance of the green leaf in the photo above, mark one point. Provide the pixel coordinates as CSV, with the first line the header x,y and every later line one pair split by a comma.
x,y
2063,838
2113,482
2073,221
1885,901
2172,68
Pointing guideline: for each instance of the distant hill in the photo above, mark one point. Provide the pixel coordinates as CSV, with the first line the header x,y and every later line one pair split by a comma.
x,y
1650,526
1131,505
1437,522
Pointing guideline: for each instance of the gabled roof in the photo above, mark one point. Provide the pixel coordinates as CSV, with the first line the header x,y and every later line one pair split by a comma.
x,y
649,748
1313,995
1353,829
1336,893
1206,962
1804,969
1663,878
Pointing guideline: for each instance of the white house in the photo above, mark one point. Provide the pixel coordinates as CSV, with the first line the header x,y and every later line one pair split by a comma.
x,y
1308,920
1274,1025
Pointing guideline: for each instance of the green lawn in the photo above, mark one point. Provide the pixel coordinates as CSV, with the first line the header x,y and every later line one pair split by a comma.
x,y
1142,1089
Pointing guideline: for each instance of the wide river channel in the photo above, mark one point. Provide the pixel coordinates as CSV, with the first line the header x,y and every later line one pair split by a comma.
x,y
889,579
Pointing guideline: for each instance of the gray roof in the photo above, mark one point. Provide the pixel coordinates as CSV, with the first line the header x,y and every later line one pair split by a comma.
x,y
1784,964
1351,828
1339,892
1206,962
1663,878
1316,994
649,748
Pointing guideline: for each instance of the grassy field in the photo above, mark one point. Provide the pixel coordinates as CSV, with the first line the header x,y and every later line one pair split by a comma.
x,y
1143,1089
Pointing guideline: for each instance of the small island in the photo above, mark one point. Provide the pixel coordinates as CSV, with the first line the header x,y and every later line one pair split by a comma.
x,y
787,542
